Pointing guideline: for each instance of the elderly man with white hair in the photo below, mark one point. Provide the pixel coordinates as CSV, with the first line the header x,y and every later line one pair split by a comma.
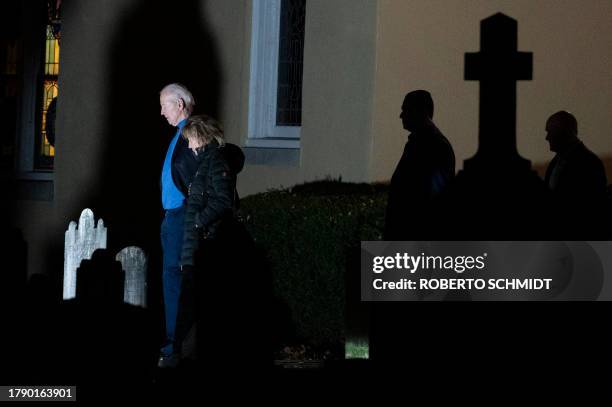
x,y
178,170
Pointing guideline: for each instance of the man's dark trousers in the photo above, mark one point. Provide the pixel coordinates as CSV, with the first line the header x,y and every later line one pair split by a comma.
x,y
172,241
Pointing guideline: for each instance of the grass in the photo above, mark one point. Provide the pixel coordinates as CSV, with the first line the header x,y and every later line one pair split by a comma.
x,y
357,349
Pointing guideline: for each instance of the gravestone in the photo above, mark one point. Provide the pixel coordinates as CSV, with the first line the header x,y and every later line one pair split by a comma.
x,y
134,263
80,243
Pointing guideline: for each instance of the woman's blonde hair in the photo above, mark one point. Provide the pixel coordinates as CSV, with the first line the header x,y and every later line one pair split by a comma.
x,y
204,129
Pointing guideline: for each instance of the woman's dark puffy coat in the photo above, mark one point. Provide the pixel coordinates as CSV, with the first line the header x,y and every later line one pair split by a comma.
x,y
212,196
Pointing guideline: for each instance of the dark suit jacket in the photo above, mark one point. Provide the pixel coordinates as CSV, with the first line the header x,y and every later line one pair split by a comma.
x,y
577,175
184,165
425,169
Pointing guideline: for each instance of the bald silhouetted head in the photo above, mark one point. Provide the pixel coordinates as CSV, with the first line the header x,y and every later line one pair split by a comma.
x,y
561,131
417,110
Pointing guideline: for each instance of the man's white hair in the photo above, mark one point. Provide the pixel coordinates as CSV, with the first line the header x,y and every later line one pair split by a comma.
x,y
180,92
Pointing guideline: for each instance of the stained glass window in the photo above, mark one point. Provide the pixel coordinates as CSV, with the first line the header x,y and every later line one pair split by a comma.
x,y
290,63
46,151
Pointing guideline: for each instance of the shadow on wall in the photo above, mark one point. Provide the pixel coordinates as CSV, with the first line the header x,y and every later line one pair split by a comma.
x,y
153,44
13,247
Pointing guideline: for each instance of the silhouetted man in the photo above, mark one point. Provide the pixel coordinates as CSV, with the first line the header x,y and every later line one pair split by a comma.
x,y
424,170
576,173
577,179
179,167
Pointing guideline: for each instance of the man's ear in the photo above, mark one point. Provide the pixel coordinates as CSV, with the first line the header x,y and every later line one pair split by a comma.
x,y
181,103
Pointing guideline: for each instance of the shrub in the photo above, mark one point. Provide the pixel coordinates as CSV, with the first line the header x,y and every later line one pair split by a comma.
x,y
307,232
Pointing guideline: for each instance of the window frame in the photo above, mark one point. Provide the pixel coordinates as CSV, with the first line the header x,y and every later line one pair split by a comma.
x,y
263,80
31,101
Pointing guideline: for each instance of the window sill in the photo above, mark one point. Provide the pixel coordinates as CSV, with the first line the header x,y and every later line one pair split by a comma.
x,y
273,143
28,186
35,176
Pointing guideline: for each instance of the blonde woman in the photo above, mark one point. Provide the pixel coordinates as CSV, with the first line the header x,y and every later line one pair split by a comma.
x,y
212,191
210,209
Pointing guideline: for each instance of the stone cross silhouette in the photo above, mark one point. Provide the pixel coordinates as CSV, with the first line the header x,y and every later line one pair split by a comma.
x,y
498,66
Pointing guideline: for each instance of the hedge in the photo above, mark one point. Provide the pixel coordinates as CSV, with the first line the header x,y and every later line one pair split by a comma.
x,y
306,233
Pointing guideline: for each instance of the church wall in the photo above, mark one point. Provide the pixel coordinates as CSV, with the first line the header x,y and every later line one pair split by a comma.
x,y
338,76
360,60
115,57
230,21
79,127
84,101
421,45
38,227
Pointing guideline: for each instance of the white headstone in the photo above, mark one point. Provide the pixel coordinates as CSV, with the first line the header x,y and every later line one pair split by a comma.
x,y
134,263
80,243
